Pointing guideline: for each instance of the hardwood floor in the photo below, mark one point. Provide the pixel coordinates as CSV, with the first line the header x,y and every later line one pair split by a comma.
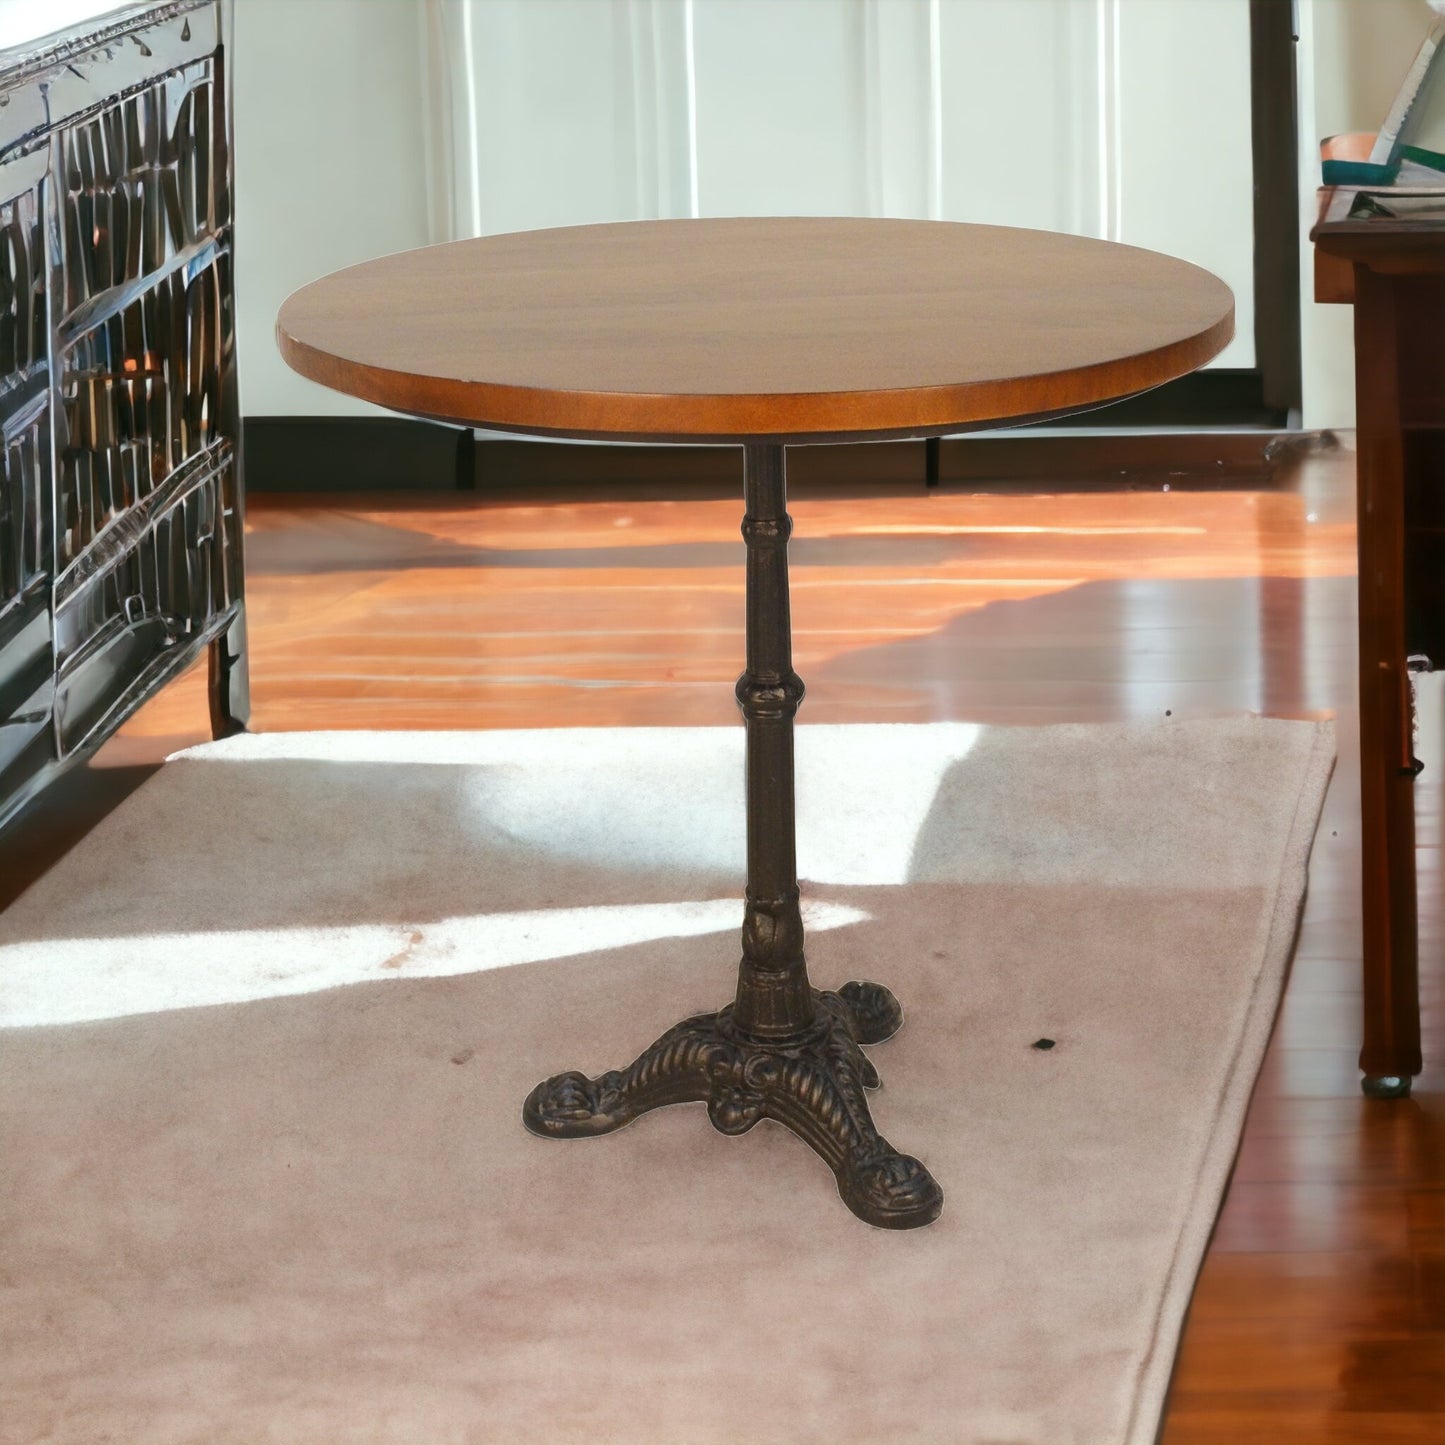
x,y
1320,1313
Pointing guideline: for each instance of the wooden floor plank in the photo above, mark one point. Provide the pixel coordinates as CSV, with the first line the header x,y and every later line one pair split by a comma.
x,y
1320,1313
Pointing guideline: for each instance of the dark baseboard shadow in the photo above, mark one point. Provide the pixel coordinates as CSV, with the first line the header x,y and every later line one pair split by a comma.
x,y
1218,424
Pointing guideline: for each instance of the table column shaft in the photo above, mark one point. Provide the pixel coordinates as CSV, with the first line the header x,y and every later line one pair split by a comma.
x,y
774,998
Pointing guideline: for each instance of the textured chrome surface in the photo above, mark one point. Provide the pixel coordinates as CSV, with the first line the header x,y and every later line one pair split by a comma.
x,y
120,499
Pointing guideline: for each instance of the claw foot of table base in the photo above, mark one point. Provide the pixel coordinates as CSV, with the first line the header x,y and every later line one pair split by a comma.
x,y
814,1085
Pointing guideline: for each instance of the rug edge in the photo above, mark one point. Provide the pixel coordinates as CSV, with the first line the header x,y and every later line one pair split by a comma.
x,y
1212,1179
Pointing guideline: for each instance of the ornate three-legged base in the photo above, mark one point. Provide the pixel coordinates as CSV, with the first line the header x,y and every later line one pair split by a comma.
x,y
782,1050
814,1086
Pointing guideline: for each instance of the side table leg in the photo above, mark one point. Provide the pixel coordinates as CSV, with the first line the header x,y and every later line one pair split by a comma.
x,y
782,1050
1390,1054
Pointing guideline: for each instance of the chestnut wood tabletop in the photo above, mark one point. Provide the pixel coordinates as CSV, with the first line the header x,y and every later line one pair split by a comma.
x,y
785,329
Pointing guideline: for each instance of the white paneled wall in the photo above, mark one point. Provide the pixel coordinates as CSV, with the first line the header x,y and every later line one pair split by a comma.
x,y
1070,115
353,139
782,107
1023,99
328,118
1183,136
557,112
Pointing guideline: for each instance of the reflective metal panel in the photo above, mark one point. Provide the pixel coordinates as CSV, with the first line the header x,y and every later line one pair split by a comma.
x,y
120,495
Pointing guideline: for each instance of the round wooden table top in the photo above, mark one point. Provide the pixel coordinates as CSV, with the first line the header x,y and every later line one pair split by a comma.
x,y
788,329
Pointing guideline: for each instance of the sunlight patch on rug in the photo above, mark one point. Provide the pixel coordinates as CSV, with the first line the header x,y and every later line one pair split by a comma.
x,y
667,798
69,981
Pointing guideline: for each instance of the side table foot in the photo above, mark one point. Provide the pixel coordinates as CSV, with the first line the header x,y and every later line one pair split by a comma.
x,y
875,1012
813,1084
1386,1086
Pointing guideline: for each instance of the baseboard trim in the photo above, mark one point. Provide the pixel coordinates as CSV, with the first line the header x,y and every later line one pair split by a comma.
x,y
362,454
353,454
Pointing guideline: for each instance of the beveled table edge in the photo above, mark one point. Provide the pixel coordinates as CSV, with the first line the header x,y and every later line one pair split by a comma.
x,y
795,418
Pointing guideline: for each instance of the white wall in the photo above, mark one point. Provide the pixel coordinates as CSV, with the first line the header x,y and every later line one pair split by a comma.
x,y
1353,56
348,77
328,154
1069,115
1185,143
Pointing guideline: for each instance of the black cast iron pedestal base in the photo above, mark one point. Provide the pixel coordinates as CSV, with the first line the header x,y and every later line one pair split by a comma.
x,y
812,1084
782,1050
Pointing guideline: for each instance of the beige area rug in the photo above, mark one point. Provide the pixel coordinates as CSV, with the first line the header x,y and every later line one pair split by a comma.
x,y
268,1031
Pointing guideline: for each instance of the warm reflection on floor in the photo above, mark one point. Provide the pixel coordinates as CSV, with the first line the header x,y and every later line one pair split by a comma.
x,y
992,608
1320,1315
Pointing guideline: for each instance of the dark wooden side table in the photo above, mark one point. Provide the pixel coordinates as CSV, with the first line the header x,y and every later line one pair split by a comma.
x,y
762,333
1393,271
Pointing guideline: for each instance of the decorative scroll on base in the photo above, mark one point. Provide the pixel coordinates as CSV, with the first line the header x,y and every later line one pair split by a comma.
x,y
812,1084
